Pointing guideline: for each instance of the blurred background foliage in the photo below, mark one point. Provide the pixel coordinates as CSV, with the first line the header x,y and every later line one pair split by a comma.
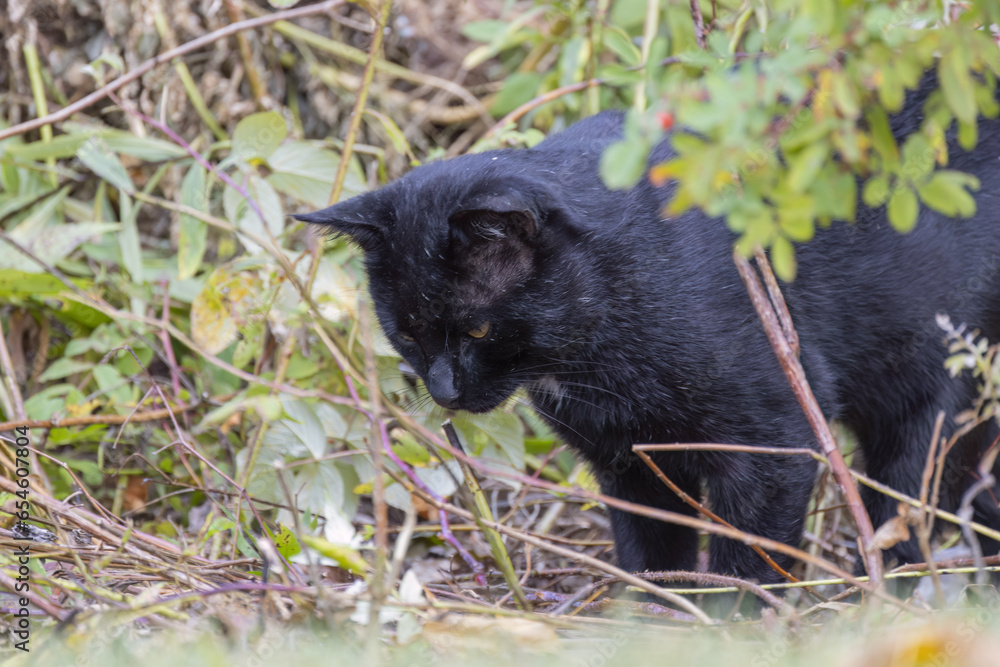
x,y
178,338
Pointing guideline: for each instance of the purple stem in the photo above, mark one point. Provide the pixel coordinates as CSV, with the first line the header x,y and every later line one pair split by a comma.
x,y
445,533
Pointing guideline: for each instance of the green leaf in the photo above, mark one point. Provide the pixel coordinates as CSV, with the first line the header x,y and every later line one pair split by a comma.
x,y
619,43
485,30
518,88
258,135
783,259
303,424
395,134
343,555
845,96
946,193
806,165
285,541
624,162
305,171
192,237
100,159
63,146
875,191
957,85
882,139
968,135
903,209
147,149
51,244
64,368
796,227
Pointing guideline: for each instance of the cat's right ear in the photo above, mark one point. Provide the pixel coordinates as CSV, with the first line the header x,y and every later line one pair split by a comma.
x,y
360,218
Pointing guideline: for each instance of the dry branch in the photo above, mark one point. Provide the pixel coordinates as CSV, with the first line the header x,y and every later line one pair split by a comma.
x,y
800,385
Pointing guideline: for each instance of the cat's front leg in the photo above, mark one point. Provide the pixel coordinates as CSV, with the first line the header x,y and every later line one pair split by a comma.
x,y
763,495
644,544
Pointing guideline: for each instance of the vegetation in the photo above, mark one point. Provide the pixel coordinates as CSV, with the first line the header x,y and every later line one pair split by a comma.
x,y
207,420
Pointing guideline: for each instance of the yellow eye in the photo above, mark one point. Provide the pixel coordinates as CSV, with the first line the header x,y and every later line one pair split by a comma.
x,y
407,337
480,331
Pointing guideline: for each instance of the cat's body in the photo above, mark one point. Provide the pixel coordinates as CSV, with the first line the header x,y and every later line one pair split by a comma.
x,y
519,268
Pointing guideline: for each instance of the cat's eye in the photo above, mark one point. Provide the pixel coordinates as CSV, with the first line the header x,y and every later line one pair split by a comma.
x,y
480,331
405,337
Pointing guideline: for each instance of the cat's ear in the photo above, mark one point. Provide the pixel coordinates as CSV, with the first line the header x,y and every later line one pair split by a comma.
x,y
495,217
360,218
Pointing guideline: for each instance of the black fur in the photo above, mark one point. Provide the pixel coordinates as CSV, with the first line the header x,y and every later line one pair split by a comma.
x,y
626,328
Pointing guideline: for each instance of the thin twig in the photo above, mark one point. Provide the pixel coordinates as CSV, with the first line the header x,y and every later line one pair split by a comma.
x,y
926,522
699,24
777,300
803,392
530,105
712,515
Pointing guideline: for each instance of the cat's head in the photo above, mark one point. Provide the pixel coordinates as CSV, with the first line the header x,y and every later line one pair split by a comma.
x,y
462,273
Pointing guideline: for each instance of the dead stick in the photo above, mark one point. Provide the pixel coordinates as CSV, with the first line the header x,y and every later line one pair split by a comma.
x,y
777,300
797,378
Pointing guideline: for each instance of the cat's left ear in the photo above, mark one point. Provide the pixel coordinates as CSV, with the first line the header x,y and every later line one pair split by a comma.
x,y
494,217
361,218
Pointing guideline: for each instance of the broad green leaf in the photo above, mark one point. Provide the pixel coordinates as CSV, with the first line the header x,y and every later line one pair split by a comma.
x,y
796,227
485,30
212,325
518,88
946,193
875,191
903,209
320,485
303,424
619,43
112,384
806,165
845,96
192,233
623,163
783,259
918,157
882,139
51,244
267,408
19,284
148,149
63,146
100,159
64,367
285,540
305,171
968,135
957,85
343,555
258,135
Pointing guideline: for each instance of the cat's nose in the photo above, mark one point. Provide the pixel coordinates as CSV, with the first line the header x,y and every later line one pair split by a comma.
x,y
441,383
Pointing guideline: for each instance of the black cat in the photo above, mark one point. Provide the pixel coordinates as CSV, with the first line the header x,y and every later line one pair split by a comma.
x,y
519,268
